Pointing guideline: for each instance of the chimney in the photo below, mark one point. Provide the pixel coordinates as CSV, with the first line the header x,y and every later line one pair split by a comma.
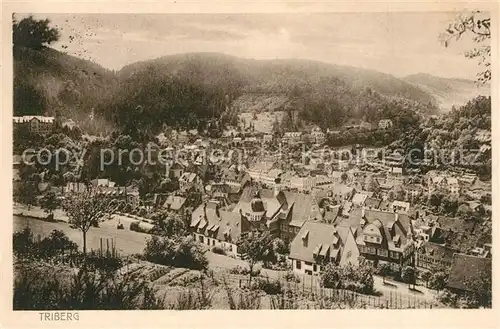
x,y
217,210
396,217
205,210
363,212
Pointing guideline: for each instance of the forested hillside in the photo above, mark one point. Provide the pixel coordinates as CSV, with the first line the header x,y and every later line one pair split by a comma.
x,y
449,92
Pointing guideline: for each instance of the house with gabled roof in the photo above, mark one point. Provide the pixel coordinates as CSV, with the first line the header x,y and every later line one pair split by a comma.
x,y
235,178
432,255
174,203
190,180
318,244
282,212
372,203
215,227
382,236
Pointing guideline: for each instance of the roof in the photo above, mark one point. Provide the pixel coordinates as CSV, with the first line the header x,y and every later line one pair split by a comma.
x,y
220,224
175,202
359,198
401,204
263,166
27,118
233,175
270,202
319,237
372,203
297,206
387,223
331,214
467,272
188,177
436,251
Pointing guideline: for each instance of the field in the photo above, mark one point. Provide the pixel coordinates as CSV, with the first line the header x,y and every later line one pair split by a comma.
x,y
126,242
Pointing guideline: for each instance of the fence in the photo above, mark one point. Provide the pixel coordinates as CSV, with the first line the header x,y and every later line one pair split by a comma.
x,y
313,291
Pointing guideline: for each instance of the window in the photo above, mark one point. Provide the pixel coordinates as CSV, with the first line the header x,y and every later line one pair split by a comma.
x,y
298,264
315,268
383,252
213,242
370,250
308,263
200,238
394,255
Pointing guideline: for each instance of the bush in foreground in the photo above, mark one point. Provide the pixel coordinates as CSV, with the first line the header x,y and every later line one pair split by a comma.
x,y
87,289
178,252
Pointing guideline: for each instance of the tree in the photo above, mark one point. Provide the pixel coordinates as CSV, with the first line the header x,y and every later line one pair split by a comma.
x,y
86,210
332,276
25,193
476,25
176,251
169,224
372,185
426,275
479,290
258,246
32,33
49,203
55,243
409,275
384,269
438,280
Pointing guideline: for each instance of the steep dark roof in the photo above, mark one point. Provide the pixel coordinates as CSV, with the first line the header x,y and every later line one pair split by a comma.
x,y
394,228
372,203
467,270
299,205
222,225
436,251
318,237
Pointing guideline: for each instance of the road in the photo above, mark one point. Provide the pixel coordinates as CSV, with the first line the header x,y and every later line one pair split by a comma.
x,y
127,242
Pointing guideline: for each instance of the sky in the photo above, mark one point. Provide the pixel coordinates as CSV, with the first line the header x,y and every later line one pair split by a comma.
x,y
396,43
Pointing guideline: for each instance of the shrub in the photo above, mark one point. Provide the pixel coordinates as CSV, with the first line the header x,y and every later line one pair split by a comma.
x,y
105,264
86,290
273,287
56,243
135,226
178,252
239,270
356,278
22,242
218,250
292,277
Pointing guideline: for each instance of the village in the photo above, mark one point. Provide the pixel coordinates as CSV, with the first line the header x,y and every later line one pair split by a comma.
x,y
326,205
252,161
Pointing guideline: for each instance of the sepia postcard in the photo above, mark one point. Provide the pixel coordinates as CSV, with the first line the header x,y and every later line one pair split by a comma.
x,y
249,165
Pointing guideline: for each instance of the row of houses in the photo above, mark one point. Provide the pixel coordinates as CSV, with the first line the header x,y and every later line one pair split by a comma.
x,y
296,217
33,123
